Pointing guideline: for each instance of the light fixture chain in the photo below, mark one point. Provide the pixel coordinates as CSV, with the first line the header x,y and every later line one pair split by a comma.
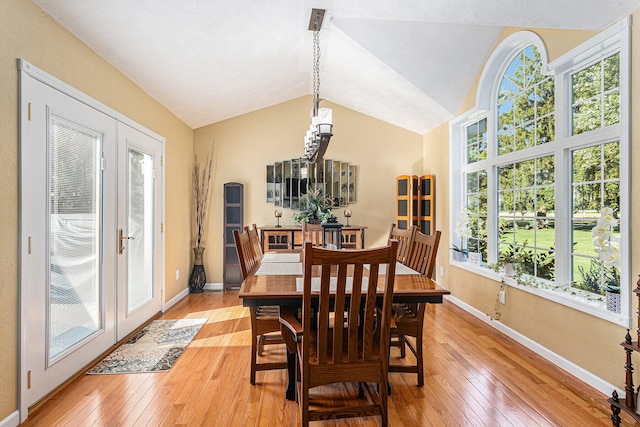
x,y
316,64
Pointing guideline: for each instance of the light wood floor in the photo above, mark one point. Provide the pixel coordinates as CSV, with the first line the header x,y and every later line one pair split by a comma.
x,y
474,377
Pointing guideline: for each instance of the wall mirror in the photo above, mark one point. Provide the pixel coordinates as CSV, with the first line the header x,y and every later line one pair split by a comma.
x,y
289,180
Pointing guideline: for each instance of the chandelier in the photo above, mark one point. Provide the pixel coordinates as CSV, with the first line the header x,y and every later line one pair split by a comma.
x,y
317,137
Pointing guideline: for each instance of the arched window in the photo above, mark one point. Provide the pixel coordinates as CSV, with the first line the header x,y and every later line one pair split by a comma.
x,y
539,172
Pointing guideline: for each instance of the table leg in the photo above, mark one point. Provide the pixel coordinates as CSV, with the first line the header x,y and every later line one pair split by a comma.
x,y
291,376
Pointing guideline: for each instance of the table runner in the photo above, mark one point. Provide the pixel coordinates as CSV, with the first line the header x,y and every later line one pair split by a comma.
x,y
270,257
280,268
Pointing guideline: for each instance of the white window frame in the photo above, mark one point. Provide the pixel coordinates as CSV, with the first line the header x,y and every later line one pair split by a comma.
x,y
614,39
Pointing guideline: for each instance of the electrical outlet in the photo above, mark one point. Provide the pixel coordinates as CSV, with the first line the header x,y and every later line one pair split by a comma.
x,y
177,274
442,270
503,297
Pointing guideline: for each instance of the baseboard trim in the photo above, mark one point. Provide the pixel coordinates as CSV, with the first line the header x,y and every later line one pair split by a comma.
x,y
213,287
173,301
564,364
13,420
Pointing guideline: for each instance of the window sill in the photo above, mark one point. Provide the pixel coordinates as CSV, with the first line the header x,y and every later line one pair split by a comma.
x,y
575,300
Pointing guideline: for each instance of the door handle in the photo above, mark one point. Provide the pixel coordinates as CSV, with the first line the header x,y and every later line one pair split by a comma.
x,y
121,239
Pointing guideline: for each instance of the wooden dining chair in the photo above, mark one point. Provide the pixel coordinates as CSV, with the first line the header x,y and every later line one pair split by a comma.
x,y
404,238
408,318
265,326
313,233
254,236
353,351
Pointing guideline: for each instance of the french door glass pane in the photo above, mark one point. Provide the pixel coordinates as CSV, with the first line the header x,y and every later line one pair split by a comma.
x,y
74,235
140,222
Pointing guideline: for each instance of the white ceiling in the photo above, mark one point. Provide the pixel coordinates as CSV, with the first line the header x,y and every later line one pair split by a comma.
x,y
407,62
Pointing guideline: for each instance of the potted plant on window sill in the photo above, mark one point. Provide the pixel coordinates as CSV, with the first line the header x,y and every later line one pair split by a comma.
x,y
463,232
510,258
459,254
607,247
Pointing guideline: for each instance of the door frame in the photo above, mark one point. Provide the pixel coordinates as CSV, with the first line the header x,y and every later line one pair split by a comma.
x,y
28,71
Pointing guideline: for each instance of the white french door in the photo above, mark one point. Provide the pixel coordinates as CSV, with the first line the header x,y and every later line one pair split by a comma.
x,y
91,251
139,205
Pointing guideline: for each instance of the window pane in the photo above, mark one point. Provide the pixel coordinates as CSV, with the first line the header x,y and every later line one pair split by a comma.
x,y
476,141
596,186
545,130
521,111
596,95
586,116
526,214
74,236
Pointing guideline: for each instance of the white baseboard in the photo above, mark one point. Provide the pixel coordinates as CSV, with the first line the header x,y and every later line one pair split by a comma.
x,y
213,287
13,420
173,301
570,367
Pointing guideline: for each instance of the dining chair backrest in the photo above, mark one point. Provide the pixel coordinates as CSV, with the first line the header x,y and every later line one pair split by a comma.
x,y
254,236
422,256
405,240
312,232
353,292
248,261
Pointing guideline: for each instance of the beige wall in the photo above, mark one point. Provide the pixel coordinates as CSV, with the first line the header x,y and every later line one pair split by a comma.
x,y
26,32
246,144
590,343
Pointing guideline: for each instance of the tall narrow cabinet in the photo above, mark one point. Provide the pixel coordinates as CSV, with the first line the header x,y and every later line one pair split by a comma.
x,y
233,220
415,202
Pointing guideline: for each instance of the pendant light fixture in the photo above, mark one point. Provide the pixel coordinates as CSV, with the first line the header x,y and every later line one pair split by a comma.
x,y
320,130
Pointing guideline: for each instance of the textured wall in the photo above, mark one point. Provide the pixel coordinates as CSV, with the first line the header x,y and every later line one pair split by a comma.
x,y
26,32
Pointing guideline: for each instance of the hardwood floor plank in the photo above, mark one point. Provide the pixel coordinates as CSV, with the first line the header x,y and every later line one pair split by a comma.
x,y
474,376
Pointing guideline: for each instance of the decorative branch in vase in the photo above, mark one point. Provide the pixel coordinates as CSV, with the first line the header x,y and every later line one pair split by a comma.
x,y
201,182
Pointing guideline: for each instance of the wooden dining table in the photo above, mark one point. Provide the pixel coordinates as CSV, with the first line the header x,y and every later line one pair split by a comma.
x,y
277,282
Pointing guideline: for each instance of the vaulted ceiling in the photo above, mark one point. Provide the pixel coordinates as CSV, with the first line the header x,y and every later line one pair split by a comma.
x,y
406,62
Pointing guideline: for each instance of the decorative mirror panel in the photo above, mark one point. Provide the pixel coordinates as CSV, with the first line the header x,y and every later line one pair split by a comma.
x,y
289,180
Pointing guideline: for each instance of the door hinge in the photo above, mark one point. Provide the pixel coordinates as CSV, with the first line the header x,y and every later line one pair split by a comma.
x,y
29,245
29,380
161,227
162,294
161,160
29,111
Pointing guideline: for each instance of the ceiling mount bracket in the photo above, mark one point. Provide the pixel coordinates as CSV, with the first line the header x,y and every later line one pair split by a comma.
x,y
315,23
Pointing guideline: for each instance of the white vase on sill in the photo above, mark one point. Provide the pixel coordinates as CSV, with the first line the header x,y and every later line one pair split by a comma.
x,y
509,270
613,302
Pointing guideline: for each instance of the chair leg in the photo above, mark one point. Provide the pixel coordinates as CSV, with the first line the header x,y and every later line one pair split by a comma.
x,y
260,345
403,350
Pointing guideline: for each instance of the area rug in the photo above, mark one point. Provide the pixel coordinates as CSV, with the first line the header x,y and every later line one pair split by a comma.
x,y
153,349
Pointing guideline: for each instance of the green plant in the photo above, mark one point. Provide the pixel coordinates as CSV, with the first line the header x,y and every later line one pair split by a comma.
x,y
314,208
513,254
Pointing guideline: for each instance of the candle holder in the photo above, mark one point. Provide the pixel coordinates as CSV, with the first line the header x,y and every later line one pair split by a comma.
x,y
277,214
347,214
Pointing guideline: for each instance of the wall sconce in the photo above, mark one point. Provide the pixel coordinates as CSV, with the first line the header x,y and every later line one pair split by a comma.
x,y
347,214
277,214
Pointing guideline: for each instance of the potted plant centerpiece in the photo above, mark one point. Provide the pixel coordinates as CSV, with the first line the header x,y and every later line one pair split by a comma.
x,y
314,208
201,181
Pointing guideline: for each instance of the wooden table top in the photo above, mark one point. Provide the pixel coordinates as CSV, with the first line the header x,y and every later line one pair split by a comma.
x,y
296,227
257,290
